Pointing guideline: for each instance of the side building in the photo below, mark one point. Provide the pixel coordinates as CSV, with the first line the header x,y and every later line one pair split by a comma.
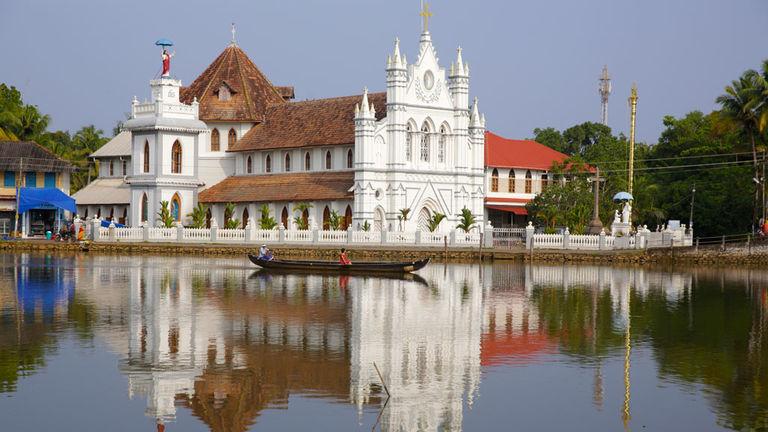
x,y
515,172
26,164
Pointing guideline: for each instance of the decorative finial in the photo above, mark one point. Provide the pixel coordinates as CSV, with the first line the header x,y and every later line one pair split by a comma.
x,y
234,30
425,15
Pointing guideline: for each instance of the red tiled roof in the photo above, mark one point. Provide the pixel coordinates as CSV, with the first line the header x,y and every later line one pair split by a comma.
x,y
518,210
251,91
507,153
309,123
507,200
300,186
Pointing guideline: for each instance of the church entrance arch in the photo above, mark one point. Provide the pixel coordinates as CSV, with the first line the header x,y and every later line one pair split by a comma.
x,y
428,209
379,219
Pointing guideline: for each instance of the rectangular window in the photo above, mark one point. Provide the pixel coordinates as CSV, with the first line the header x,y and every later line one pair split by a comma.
x,y
10,179
50,180
31,180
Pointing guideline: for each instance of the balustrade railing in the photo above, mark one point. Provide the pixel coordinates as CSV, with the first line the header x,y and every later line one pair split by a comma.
x,y
332,237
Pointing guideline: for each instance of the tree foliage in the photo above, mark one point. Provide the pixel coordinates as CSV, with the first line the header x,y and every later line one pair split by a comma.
x,y
434,221
466,220
199,215
266,222
164,216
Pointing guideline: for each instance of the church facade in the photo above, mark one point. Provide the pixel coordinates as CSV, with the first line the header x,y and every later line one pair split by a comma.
x,y
234,141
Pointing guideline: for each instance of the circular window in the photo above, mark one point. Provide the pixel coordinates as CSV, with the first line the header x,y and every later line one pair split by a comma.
x,y
429,80
379,193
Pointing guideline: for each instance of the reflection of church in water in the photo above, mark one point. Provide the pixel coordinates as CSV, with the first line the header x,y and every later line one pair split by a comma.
x,y
211,336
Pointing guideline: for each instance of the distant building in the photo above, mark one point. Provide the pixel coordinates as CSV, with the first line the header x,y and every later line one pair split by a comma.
x,y
26,164
515,172
109,196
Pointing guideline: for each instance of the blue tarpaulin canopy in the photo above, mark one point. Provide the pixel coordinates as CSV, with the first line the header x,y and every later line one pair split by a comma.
x,y
106,223
34,198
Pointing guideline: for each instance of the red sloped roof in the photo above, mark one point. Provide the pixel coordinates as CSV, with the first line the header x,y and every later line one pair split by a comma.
x,y
507,153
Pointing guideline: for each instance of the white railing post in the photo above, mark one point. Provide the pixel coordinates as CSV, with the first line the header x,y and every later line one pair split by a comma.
x,y
383,235
566,239
601,245
315,231
95,225
452,238
214,230
529,230
145,231
111,228
488,236
281,234
250,234
417,237
180,233
349,234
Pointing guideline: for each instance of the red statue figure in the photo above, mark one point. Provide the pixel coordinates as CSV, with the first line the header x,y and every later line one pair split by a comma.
x,y
166,63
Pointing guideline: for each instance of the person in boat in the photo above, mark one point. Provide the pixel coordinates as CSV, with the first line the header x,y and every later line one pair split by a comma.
x,y
343,259
265,253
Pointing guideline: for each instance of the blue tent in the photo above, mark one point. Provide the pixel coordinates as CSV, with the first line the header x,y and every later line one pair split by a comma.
x,y
34,198
106,223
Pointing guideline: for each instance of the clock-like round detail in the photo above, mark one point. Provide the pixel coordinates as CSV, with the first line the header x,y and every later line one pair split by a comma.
x,y
429,80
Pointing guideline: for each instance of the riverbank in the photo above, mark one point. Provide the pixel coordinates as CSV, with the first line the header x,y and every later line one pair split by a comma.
x,y
713,255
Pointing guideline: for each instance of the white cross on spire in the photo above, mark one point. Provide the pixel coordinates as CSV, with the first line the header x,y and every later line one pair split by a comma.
x,y
234,42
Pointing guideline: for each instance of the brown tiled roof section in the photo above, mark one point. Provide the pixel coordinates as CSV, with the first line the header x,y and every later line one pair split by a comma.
x,y
294,187
252,92
309,123
287,92
30,156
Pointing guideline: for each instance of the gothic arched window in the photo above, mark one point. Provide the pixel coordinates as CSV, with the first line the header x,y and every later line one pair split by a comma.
x,y
144,208
511,181
287,162
146,156
495,180
307,161
215,140
284,217
441,146
326,219
328,161
544,181
231,139
350,158
268,164
528,182
408,142
249,165
347,218
176,157
425,143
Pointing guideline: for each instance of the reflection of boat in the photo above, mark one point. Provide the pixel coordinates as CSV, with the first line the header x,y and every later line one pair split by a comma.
x,y
334,267
343,280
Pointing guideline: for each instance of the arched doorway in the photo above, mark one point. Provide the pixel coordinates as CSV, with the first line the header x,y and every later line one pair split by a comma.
x,y
347,222
284,218
305,218
422,222
326,219
245,217
379,219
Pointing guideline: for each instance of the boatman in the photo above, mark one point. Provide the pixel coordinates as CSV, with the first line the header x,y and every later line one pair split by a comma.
x,y
265,254
343,257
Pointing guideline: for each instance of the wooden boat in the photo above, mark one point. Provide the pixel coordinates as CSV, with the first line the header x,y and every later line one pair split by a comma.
x,y
268,274
334,267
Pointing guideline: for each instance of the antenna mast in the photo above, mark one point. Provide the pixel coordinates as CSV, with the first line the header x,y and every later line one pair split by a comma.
x,y
605,91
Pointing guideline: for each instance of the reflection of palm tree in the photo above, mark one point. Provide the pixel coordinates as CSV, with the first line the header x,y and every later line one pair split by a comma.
x,y
626,415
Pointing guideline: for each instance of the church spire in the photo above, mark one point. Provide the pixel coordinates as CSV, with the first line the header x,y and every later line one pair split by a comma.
x,y
234,40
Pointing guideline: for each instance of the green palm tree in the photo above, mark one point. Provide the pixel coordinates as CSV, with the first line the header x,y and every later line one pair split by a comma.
x,y
266,222
164,215
301,222
434,221
467,220
230,222
198,215
740,104
403,216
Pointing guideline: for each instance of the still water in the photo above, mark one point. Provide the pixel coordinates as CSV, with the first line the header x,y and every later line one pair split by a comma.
x,y
92,342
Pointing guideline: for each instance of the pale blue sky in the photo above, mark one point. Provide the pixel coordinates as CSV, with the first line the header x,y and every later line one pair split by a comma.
x,y
534,63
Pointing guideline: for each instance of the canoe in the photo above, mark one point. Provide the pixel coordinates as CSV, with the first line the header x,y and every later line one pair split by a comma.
x,y
334,267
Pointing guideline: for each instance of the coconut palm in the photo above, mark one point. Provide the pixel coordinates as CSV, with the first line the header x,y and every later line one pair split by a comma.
x,y
164,216
198,215
403,216
334,220
467,220
301,222
266,222
740,104
229,221
434,221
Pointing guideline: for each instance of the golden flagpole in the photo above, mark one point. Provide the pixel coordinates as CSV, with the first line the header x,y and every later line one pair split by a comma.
x,y
632,121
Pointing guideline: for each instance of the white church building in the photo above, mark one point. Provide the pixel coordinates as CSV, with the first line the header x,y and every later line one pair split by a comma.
x,y
233,137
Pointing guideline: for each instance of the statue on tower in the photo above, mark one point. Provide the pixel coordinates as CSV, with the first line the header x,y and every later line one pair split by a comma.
x,y
166,56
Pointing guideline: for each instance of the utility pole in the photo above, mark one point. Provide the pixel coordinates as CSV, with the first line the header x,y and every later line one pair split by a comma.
x,y
690,218
632,122
605,90
596,225
18,191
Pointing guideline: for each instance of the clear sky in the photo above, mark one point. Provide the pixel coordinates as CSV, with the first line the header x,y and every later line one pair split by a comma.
x,y
533,63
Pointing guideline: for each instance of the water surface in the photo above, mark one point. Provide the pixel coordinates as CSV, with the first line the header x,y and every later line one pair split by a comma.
x,y
92,342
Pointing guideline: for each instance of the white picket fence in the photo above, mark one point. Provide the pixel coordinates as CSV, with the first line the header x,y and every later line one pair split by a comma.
x,y
366,237
197,234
